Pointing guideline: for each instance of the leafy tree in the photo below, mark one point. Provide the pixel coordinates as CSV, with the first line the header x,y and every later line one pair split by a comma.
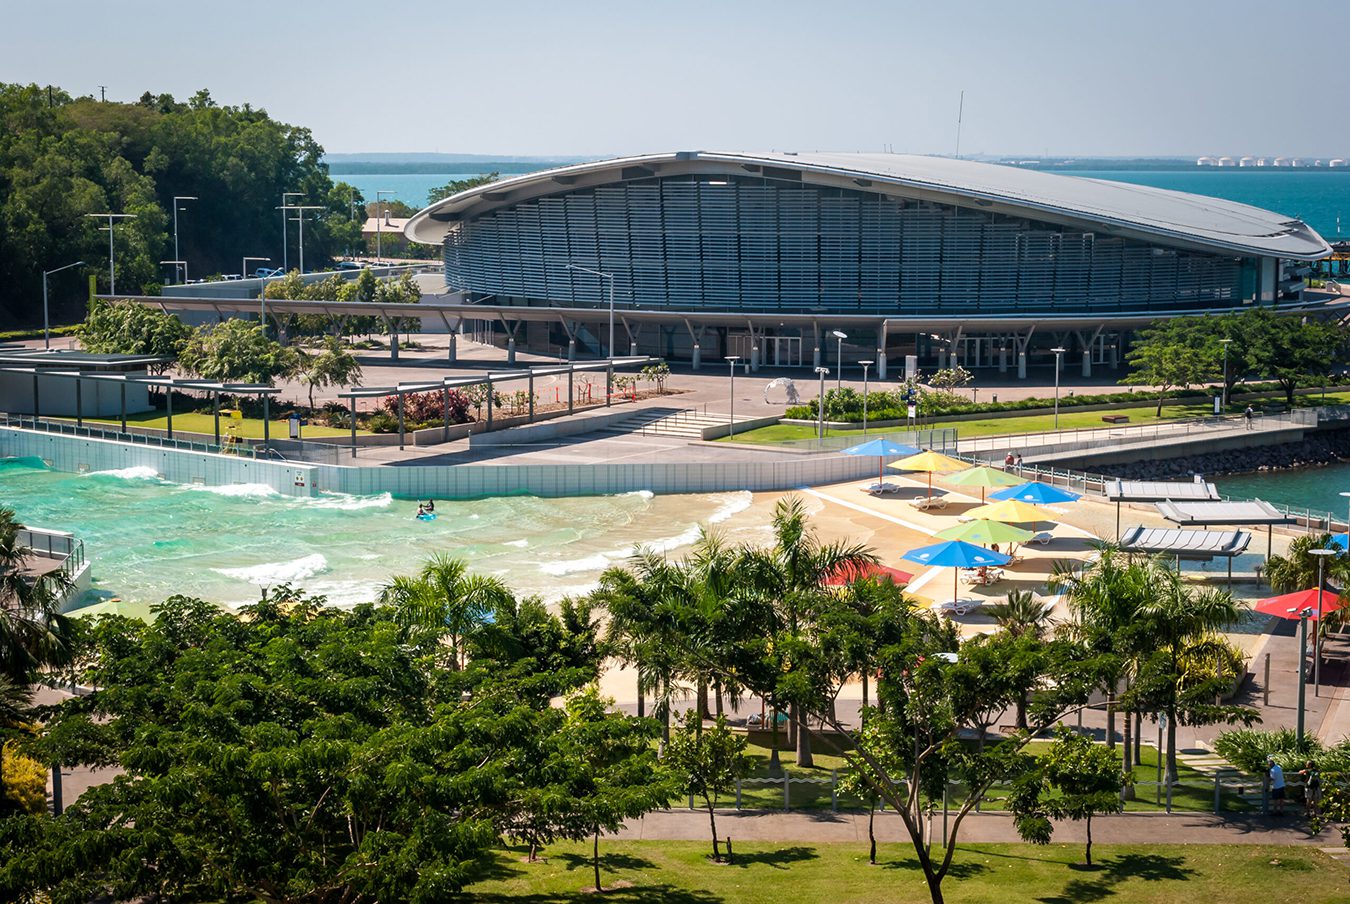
x,y
881,747
1298,568
1076,779
949,379
1166,356
456,186
658,374
334,365
1022,613
127,328
1291,350
33,632
445,600
236,351
707,763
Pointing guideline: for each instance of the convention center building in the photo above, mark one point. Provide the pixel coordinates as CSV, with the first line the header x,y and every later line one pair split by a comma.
x,y
770,256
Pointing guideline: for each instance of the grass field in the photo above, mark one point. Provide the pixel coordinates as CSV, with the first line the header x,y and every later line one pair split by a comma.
x,y
195,422
999,426
982,874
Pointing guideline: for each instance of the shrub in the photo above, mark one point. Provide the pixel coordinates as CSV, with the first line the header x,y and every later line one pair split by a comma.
x,y
1247,748
25,781
428,408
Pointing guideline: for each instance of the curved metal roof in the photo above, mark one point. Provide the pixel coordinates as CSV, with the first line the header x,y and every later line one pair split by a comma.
x,y
1118,207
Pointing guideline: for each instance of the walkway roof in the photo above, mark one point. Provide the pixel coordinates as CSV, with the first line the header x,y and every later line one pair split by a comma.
x,y
1175,217
1254,512
550,370
71,358
1160,491
1186,544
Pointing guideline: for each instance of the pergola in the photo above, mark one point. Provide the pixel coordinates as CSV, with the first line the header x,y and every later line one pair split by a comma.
x,y
1253,514
1188,544
490,379
169,384
1119,491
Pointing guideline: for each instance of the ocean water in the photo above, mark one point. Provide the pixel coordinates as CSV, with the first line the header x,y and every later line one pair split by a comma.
x,y
149,539
1318,489
1318,197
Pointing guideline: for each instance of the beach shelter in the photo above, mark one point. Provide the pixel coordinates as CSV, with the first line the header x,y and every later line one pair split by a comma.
x,y
1289,605
881,449
956,554
847,574
984,477
1012,511
932,462
985,531
1036,493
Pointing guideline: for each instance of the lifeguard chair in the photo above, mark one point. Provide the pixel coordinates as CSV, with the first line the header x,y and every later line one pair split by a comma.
x,y
233,440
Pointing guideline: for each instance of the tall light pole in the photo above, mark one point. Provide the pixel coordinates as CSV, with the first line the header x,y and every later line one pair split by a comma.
x,y
262,288
609,276
112,266
1346,496
820,404
1302,670
176,208
838,358
865,365
731,418
379,225
1058,351
46,322
1317,638
285,229
1225,343
300,218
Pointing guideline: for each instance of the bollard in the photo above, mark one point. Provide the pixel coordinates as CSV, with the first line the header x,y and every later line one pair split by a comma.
x,y
1265,684
731,858
691,801
786,803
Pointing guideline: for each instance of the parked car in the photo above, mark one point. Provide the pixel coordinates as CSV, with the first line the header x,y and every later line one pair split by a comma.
x,y
264,272
350,265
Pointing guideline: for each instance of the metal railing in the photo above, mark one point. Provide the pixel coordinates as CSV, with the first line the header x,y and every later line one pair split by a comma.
x,y
53,544
939,439
65,428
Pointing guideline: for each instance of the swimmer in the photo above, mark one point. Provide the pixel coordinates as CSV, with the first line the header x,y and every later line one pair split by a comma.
x,y
421,510
431,505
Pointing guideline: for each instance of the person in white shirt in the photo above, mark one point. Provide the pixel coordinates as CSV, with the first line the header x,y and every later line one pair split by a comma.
x,y
1276,784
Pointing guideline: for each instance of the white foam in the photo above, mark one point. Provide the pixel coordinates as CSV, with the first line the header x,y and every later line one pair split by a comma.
x,y
739,502
347,503
136,472
598,562
238,490
278,572
641,494
519,543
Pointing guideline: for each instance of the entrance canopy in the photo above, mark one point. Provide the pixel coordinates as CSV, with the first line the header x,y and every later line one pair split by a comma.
x,y
1186,544
1254,512
1160,491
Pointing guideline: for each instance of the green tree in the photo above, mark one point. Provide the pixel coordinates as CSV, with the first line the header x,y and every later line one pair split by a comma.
x,y
236,351
1168,356
456,186
33,632
127,328
1076,780
707,764
1291,350
445,600
333,365
881,747
1298,568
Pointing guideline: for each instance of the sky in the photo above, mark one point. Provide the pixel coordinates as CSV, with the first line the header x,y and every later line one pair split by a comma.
x,y
594,77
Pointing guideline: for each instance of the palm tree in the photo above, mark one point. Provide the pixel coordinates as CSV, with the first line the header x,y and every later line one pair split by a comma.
x,y
1297,570
33,632
1022,614
445,600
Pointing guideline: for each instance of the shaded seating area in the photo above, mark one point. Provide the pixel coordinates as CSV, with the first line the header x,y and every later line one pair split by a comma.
x,y
1155,491
1238,514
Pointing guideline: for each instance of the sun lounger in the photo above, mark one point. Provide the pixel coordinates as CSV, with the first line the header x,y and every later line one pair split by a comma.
x,y
1043,538
926,503
881,489
949,608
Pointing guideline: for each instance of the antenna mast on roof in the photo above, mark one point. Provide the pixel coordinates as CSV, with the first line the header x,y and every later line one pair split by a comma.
x,y
960,108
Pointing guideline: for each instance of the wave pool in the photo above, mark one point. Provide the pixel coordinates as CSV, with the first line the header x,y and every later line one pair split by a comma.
x,y
148,539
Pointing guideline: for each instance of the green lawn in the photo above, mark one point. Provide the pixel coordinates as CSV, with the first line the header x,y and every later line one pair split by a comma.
x,y
679,871
196,422
1037,423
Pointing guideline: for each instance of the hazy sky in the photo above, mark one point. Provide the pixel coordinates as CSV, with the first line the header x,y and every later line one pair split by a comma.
x,y
1064,77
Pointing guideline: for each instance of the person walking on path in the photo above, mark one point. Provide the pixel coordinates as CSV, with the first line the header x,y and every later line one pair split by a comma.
x,y
1249,414
1312,789
1276,784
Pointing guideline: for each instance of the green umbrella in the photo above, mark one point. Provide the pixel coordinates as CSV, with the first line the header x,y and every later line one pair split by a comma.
x,y
984,477
984,531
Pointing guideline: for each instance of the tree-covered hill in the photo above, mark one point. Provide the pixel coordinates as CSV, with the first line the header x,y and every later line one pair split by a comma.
x,y
63,157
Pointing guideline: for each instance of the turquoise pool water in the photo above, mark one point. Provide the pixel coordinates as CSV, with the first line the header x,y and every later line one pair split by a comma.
x,y
148,539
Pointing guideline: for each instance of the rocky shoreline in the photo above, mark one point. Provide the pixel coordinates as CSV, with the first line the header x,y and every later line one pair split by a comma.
x,y
1326,448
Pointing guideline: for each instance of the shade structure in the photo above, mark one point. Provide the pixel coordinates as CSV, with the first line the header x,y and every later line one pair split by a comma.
x,y
1036,493
1289,605
932,462
984,477
985,531
1011,511
881,448
847,574
956,554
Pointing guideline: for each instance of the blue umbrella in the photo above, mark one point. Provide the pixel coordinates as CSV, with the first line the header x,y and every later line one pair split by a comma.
x,y
956,554
881,448
1341,540
1036,493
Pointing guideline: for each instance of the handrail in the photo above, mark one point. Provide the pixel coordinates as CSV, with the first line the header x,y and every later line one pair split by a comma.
x,y
38,541
66,428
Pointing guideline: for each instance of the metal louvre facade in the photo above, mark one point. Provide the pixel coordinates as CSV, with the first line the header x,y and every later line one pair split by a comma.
x,y
754,244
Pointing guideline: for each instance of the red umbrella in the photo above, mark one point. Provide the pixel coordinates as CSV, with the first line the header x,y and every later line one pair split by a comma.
x,y
846,574
1289,605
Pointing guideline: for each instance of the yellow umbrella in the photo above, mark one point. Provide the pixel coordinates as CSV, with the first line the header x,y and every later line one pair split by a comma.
x,y
1012,511
929,461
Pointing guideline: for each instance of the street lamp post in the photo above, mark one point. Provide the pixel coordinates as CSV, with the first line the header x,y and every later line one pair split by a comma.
x,y
46,321
838,358
1346,496
1317,638
262,288
1225,343
300,218
820,404
609,276
1058,351
285,229
865,365
1302,670
112,267
731,418
176,208
379,225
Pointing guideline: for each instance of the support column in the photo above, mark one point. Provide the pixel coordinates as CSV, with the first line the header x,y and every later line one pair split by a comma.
x,y
445,414
353,416
881,364
267,423
400,422
571,348
511,349
37,408
1022,365
215,404
571,398
1087,362
697,357
531,391
882,337
632,347
123,388
1003,356
393,340
168,398
451,352
815,351
489,401
79,403
609,386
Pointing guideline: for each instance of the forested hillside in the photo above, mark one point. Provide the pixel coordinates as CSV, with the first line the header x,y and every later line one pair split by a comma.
x,y
62,158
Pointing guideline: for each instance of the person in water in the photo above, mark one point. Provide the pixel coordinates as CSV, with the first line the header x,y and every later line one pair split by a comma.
x,y
421,510
431,505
